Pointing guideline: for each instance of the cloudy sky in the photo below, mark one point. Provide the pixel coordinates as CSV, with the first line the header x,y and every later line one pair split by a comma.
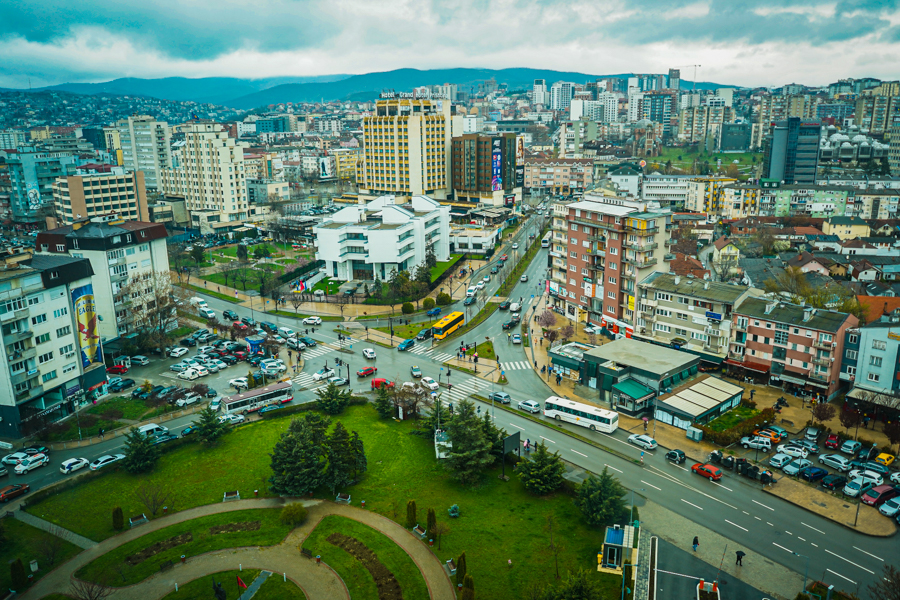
x,y
753,43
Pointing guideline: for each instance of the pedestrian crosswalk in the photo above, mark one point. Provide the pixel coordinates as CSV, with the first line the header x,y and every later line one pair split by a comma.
x,y
463,389
432,353
306,380
317,350
515,365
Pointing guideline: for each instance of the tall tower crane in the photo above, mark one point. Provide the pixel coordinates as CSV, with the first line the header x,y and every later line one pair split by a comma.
x,y
694,86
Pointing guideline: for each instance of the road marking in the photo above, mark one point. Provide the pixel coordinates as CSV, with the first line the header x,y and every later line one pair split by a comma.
x,y
770,525
578,453
872,555
692,504
746,513
813,528
849,561
735,524
671,478
811,544
841,576
613,468
517,427
800,538
722,486
763,505
788,532
757,518
783,548
548,439
651,485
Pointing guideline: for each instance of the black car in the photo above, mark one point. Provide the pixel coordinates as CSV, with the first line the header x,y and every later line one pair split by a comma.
x,y
121,385
425,334
189,342
144,394
494,270
469,301
230,314
248,322
268,326
510,324
211,393
228,359
505,305
166,391
834,482
675,456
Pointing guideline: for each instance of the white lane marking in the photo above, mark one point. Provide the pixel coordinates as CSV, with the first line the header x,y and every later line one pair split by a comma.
x,y
745,512
815,545
613,468
722,486
517,427
770,524
841,576
682,468
783,548
757,518
578,453
671,478
849,561
800,538
811,527
548,439
763,505
872,555
788,532
692,504
735,524
651,485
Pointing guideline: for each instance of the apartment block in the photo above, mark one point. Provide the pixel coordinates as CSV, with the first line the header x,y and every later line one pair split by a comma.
x,y
782,343
407,148
560,175
668,190
53,356
877,113
779,108
792,151
484,169
32,173
696,124
705,194
11,139
100,190
146,146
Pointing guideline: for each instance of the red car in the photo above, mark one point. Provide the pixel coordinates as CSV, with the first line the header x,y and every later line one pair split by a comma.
x,y
117,370
366,371
711,472
240,326
239,354
878,495
378,382
833,442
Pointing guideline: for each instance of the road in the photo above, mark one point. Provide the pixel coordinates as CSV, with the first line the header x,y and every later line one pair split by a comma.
x,y
737,507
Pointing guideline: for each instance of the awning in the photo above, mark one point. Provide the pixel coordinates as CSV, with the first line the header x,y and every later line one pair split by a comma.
x,y
790,379
633,389
749,366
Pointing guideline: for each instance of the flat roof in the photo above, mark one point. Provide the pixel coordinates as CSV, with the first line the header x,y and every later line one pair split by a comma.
x,y
602,207
700,396
649,357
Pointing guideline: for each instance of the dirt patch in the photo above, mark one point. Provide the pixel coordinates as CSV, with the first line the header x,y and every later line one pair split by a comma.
x,y
234,527
388,588
136,559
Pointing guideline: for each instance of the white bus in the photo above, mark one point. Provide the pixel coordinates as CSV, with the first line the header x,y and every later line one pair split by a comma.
x,y
255,399
586,415
545,243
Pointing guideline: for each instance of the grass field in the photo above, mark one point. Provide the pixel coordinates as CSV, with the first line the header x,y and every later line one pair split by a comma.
x,y
328,286
440,268
25,542
112,566
358,579
732,418
232,250
495,516
132,409
485,350
208,292
405,332
68,430
252,282
274,587
271,267
288,313
287,261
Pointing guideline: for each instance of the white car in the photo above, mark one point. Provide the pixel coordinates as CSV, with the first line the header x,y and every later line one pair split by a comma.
x,y
895,477
642,441
32,462
178,352
890,508
106,460
73,464
479,285
232,419
14,458
312,321
430,383
867,475
369,353
271,361
238,383
189,398
323,374
286,332
140,360
273,368
779,460
515,246
189,374
793,451
278,339
201,370
295,343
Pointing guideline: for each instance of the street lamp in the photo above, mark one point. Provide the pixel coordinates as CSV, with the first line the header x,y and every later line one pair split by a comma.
x,y
806,573
764,423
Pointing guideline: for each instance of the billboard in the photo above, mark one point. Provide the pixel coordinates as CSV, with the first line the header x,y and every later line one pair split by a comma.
x,y
496,164
86,319
326,167
520,160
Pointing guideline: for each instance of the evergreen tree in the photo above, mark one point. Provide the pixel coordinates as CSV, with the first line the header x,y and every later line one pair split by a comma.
x,y
17,572
298,459
494,435
360,463
468,589
340,458
543,472
432,522
242,253
118,519
601,499
384,404
333,400
411,514
430,257
140,454
438,418
209,428
461,568
471,451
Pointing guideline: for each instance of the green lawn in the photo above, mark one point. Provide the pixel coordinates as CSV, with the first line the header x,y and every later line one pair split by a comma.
x,y
271,267
440,268
404,332
223,259
25,542
90,427
289,313
219,279
120,573
732,418
132,409
485,350
358,579
287,261
232,250
499,520
274,587
181,332
208,292
328,286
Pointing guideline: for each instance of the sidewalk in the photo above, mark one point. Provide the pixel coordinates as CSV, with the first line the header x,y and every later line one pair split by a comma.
x,y
69,536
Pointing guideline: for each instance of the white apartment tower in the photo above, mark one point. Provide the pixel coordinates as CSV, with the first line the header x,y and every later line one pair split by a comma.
x,y
539,92
561,94
145,144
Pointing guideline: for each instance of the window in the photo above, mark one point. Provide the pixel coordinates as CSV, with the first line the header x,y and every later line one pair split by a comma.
x,y
60,312
612,266
878,345
661,296
853,338
45,357
38,319
781,337
698,336
874,377
43,338
614,251
60,247
781,326
851,371
63,331
680,331
67,349
851,354
661,327
824,337
70,367
35,299
611,295
681,316
683,300
779,353
612,280
662,312
48,376
875,361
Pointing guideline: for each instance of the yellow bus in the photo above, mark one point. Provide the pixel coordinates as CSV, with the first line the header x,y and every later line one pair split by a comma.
x,y
448,325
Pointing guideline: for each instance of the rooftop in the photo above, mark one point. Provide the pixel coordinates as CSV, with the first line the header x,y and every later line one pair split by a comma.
x,y
696,288
649,357
792,314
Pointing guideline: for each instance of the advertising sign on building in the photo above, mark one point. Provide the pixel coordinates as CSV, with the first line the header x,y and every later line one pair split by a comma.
x,y
520,160
86,318
496,164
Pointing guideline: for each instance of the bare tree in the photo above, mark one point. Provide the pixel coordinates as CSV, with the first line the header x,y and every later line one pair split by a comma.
x,y
89,590
552,335
567,332
849,418
886,587
242,276
154,496
441,529
822,411
555,548
50,545
296,301
547,319
153,304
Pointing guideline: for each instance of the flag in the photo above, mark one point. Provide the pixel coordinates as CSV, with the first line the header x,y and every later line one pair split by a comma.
x,y
241,584
302,286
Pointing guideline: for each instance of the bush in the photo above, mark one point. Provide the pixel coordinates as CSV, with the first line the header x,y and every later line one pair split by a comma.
x,y
408,308
734,434
294,514
118,519
428,303
444,299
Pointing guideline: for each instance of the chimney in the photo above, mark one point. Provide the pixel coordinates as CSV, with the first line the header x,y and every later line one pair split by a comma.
x,y
677,279
808,312
706,276
705,285
770,306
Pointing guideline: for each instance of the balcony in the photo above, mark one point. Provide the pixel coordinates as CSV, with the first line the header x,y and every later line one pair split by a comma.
x,y
823,345
30,393
819,376
596,238
597,251
651,302
670,242
648,315
735,355
17,336
668,257
641,263
739,342
22,377
738,326
641,247
597,267
715,332
642,232
822,360
583,221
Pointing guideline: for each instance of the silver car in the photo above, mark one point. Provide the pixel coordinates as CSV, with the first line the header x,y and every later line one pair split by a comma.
x,y
529,406
835,461
794,467
779,460
890,508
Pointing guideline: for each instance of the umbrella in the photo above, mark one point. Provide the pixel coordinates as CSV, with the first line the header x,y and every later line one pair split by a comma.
x,y
740,554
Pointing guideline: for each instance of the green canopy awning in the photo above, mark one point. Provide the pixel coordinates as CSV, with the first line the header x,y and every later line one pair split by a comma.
x,y
633,389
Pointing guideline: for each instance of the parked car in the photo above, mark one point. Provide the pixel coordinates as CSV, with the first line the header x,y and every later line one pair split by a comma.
x,y
140,360
189,398
877,467
501,397
813,474
793,451
834,482
121,385
891,507
835,461
105,460
238,383
72,465
13,491
369,353
811,447
642,441
762,443
529,406
794,467
189,430
406,345
178,352
366,371
338,381
117,370
833,442
312,321
857,487
851,447
711,472
876,496
885,459
230,315
866,474
675,456
429,383
779,460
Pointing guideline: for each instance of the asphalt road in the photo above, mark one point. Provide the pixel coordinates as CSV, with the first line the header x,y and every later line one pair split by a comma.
x,y
674,587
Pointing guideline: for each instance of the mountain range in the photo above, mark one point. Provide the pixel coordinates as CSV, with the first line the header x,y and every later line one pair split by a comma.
x,y
254,93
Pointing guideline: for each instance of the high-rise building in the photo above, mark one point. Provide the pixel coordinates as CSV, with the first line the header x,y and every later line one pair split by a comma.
x,y
539,92
660,107
697,123
610,101
32,173
210,175
95,190
778,108
561,94
877,114
475,178
894,149
406,148
146,146
792,151
674,79
12,139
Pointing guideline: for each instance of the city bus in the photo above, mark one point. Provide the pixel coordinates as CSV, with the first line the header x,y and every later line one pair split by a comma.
x,y
586,415
255,399
545,243
448,325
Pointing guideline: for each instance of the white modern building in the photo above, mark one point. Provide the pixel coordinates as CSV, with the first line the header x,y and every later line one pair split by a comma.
x,y
146,146
668,190
368,242
539,93
561,94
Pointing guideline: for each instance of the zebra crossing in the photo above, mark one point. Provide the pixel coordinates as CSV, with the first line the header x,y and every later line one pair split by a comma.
x,y
432,353
465,388
317,350
306,380
515,365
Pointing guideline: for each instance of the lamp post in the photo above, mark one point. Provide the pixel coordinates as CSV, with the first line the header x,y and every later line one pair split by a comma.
x,y
764,423
806,573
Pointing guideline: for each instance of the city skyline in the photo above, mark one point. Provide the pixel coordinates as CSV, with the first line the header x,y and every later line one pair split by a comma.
x,y
736,44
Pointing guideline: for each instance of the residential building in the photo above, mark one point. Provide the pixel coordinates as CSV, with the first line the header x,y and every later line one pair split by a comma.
x,y
561,94
32,173
262,191
146,146
696,124
734,137
660,106
894,148
626,179
846,228
783,343
368,242
345,160
669,190
11,139
54,358
484,169
572,135
689,314
870,356
119,251
593,110
407,148
114,144
685,264
539,94
877,113
705,194
725,258
210,175
792,151
779,108
100,190
559,175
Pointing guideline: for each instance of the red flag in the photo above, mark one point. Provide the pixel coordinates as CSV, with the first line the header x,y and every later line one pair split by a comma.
x,y
241,584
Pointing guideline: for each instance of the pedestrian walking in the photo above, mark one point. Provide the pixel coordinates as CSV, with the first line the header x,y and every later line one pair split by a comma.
x,y
102,432
740,558
696,543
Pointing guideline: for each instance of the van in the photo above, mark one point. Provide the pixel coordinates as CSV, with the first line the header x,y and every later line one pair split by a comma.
x,y
515,307
199,302
207,313
152,430
286,332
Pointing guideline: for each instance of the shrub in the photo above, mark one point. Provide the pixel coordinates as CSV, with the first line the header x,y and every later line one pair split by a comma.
x,y
118,519
17,574
411,514
428,303
444,299
294,514
734,434
407,308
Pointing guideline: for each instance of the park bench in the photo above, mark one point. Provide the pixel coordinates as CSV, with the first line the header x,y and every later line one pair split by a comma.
x,y
419,531
306,552
453,511
451,566
343,498
166,566
235,495
137,520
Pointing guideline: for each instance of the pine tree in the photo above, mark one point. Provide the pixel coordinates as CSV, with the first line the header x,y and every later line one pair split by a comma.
x,y
359,463
340,459
298,459
461,568
471,451
543,472
118,519
432,522
600,499
140,454
17,572
384,404
209,428
438,417
468,590
411,520
494,435
333,400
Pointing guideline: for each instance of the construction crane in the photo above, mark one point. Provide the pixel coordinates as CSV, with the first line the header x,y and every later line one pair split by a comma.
x,y
694,86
